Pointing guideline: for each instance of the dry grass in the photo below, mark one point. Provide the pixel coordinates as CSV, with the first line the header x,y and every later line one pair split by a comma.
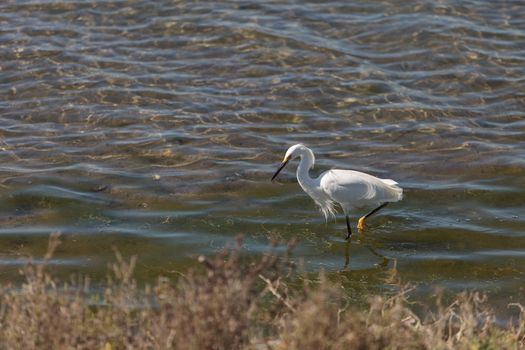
x,y
232,303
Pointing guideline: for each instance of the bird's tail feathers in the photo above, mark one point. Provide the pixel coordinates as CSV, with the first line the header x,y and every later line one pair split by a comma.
x,y
393,188
389,182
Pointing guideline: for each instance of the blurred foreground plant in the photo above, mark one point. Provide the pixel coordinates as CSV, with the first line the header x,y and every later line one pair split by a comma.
x,y
235,303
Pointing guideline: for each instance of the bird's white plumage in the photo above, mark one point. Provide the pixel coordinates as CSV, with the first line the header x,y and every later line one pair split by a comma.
x,y
349,188
354,189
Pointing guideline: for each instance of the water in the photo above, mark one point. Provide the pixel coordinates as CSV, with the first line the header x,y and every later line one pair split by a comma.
x,y
156,126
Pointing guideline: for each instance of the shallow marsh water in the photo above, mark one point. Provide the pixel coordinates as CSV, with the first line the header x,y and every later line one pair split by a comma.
x,y
155,126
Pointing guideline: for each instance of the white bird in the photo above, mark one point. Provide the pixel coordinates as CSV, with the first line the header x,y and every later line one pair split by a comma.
x,y
349,188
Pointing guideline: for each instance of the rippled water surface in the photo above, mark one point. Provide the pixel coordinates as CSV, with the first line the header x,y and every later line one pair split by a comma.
x,y
155,126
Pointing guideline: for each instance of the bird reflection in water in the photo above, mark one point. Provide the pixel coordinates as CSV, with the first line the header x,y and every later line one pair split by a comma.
x,y
370,245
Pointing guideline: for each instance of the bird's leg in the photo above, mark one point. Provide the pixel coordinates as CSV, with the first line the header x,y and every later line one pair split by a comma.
x,y
361,221
348,228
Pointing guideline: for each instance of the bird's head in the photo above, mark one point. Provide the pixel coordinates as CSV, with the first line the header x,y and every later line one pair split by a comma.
x,y
293,152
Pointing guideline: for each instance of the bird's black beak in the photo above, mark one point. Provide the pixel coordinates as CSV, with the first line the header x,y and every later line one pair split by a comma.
x,y
283,164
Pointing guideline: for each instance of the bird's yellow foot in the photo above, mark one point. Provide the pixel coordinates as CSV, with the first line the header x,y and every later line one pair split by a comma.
x,y
361,224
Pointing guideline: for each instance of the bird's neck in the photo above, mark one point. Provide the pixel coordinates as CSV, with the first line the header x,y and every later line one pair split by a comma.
x,y
303,172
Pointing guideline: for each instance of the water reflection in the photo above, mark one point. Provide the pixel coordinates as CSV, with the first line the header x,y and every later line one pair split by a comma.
x,y
369,244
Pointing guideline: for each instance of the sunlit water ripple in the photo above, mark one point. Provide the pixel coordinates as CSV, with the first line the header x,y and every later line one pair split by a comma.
x,y
155,127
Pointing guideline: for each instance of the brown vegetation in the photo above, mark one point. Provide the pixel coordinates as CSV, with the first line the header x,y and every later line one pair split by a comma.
x,y
235,304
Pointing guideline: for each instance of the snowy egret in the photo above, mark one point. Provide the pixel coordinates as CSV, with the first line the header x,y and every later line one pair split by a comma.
x,y
348,188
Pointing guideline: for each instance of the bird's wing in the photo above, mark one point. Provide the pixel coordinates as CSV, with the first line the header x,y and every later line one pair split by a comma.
x,y
348,186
